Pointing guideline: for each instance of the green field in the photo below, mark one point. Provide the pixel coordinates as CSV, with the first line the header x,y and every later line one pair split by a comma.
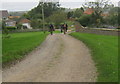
x,y
104,50
20,44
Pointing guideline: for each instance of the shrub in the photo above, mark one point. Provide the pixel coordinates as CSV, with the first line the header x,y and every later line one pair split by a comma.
x,y
36,23
19,26
11,28
85,20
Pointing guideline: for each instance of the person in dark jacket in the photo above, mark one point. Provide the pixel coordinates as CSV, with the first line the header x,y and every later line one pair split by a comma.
x,y
65,27
51,28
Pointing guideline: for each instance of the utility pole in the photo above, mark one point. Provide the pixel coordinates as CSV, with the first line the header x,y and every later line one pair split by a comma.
x,y
43,16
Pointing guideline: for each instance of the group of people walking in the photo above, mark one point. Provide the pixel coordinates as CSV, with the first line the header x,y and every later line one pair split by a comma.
x,y
63,28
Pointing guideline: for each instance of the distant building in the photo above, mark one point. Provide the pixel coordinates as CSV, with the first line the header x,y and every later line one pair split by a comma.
x,y
10,23
89,11
26,23
13,17
104,14
4,14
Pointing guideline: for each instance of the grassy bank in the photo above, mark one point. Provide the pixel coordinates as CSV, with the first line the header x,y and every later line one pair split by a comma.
x,y
104,50
20,44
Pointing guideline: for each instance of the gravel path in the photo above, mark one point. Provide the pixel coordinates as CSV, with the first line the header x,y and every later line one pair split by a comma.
x,y
60,58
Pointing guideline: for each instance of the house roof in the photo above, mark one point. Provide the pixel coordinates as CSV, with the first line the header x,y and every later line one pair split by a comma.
x,y
4,13
11,17
89,11
105,14
25,21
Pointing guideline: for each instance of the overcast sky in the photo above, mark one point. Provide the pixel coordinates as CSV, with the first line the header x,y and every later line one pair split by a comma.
x,y
25,5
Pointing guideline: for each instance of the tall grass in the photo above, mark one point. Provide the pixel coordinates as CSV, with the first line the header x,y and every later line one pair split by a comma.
x,y
20,44
104,50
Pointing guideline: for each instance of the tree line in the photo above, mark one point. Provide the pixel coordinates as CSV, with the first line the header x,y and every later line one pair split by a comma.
x,y
53,13
104,14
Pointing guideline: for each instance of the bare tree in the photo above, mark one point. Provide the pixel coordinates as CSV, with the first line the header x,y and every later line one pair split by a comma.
x,y
98,6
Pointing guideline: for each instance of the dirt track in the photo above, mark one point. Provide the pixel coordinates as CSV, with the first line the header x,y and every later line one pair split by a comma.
x,y
61,58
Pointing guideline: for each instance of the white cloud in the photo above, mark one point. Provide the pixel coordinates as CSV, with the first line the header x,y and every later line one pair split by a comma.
x,y
52,0
71,0
31,0
28,0
14,5
19,0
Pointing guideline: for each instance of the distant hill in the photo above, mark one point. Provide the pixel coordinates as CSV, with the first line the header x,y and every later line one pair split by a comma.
x,y
17,13
69,10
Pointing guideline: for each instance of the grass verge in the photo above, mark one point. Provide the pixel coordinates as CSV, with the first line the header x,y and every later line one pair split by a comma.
x,y
104,50
19,44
